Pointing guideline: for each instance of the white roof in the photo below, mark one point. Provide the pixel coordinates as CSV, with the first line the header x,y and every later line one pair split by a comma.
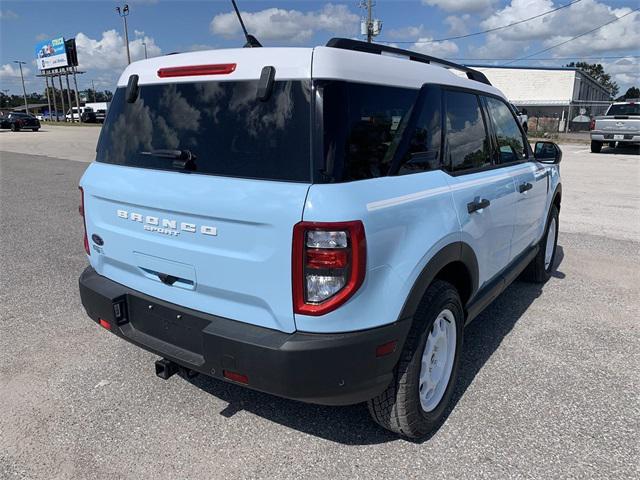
x,y
296,63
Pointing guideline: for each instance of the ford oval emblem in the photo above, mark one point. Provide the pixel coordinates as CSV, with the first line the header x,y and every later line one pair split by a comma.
x,y
97,239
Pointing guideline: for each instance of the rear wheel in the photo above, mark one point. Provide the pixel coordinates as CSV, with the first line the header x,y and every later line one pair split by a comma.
x,y
35,129
15,128
415,402
596,146
540,268
612,144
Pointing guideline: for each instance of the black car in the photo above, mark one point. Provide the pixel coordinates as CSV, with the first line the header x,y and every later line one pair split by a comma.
x,y
88,116
19,121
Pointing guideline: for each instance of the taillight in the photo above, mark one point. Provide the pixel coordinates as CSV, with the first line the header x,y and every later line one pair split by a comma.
x,y
84,221
592,124
329,264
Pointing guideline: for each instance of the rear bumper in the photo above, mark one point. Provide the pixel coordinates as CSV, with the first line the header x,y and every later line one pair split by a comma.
x,y
609,137
329,369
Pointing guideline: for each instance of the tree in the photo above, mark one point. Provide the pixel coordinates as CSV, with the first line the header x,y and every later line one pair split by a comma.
x,y
596,70
632,93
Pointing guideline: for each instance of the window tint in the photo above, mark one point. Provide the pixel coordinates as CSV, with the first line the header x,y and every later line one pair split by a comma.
x,y
624,109
360,123
467,140
222,124
423,150
510,140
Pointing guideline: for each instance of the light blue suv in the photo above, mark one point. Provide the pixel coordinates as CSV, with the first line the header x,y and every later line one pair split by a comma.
x,y
316,223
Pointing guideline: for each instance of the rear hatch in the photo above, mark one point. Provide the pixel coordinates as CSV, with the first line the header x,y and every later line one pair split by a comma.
x,y
620,119
198,184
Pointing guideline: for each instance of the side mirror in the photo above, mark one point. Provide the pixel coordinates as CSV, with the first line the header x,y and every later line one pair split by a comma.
x,y
547,152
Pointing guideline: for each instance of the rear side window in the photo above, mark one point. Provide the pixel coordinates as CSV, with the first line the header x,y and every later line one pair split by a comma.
x,y
360,123
510,139
221,126
468,146
423,150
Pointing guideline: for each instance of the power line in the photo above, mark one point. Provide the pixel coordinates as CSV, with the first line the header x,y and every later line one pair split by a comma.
x,y
483,32
572,38
546,58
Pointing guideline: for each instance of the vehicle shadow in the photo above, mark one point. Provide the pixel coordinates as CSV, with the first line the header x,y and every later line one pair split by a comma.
x,y
352,425
620,149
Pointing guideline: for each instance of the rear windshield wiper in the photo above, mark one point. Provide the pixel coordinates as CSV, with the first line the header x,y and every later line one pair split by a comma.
x,y
183,159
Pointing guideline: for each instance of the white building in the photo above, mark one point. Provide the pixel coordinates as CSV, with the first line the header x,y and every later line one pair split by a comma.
x,y
553,93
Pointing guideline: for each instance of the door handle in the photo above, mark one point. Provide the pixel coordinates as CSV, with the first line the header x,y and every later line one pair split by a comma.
x,y
478,205
524,187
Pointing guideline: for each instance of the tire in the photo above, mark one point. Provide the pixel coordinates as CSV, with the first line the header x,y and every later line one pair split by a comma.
x,y
541,267
35,129
612,144
15,128
596,146
400,407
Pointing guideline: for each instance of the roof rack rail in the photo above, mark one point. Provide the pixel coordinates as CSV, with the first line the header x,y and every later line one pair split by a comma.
x,y
359,46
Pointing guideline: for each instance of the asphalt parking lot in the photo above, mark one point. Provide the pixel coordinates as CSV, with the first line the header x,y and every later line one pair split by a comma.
x,y
549,386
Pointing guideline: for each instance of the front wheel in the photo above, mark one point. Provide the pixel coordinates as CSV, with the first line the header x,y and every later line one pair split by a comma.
x,y
15,128
35,129
415,402
596,146
541,267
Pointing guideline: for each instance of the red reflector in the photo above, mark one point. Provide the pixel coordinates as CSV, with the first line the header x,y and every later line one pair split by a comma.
x,y
236,377
103,323
192,70
326,258
386,348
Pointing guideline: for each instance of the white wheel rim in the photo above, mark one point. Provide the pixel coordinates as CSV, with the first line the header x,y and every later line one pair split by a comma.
x,y
551,244
437,360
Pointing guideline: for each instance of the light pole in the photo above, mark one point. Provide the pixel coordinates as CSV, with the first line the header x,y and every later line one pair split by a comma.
x,y
93,87
145,50
24,90
124,13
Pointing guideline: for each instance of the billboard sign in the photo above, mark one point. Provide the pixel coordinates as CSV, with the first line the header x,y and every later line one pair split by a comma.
x,y
51,54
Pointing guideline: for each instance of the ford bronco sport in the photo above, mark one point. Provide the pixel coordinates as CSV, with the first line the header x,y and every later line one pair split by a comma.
x,y
315,223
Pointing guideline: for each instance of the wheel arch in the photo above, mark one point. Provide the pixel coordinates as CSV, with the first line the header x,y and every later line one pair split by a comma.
x,y
557,196
455,263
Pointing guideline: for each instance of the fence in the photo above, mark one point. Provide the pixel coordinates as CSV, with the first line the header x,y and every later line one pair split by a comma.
x,y
561,119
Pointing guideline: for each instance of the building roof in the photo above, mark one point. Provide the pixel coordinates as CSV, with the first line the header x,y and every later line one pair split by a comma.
x,y
22,108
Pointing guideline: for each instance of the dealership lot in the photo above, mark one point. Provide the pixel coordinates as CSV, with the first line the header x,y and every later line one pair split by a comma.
x,y
549,383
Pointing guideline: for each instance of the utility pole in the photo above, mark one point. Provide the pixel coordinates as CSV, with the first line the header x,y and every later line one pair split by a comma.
x,y
124,13
370,27
145,50
24,90
93,87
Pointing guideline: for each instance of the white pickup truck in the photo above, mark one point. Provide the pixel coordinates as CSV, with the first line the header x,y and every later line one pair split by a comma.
x,y
620,125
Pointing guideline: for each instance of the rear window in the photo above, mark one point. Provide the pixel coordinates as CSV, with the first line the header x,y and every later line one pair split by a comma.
x,y
624,109
221,125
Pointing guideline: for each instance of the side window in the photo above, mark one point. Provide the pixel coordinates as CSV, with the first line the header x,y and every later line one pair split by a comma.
x,y
468,143
510,140
423,151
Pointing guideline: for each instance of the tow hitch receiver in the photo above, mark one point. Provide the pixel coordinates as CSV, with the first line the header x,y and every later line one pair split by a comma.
x,y
165,368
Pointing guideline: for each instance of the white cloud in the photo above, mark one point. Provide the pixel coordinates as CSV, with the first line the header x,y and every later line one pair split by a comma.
x,y
444,49
625,71
460,5
9,71
8,15
291,25
138,33
409,32
109,52
458,25
557,27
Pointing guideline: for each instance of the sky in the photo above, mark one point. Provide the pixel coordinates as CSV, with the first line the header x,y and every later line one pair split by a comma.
x,y
179,26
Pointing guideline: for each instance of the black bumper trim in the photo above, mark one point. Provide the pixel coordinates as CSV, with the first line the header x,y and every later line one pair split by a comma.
x,y
329,369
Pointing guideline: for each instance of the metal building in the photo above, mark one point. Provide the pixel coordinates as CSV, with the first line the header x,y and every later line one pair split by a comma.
x,y
551,95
